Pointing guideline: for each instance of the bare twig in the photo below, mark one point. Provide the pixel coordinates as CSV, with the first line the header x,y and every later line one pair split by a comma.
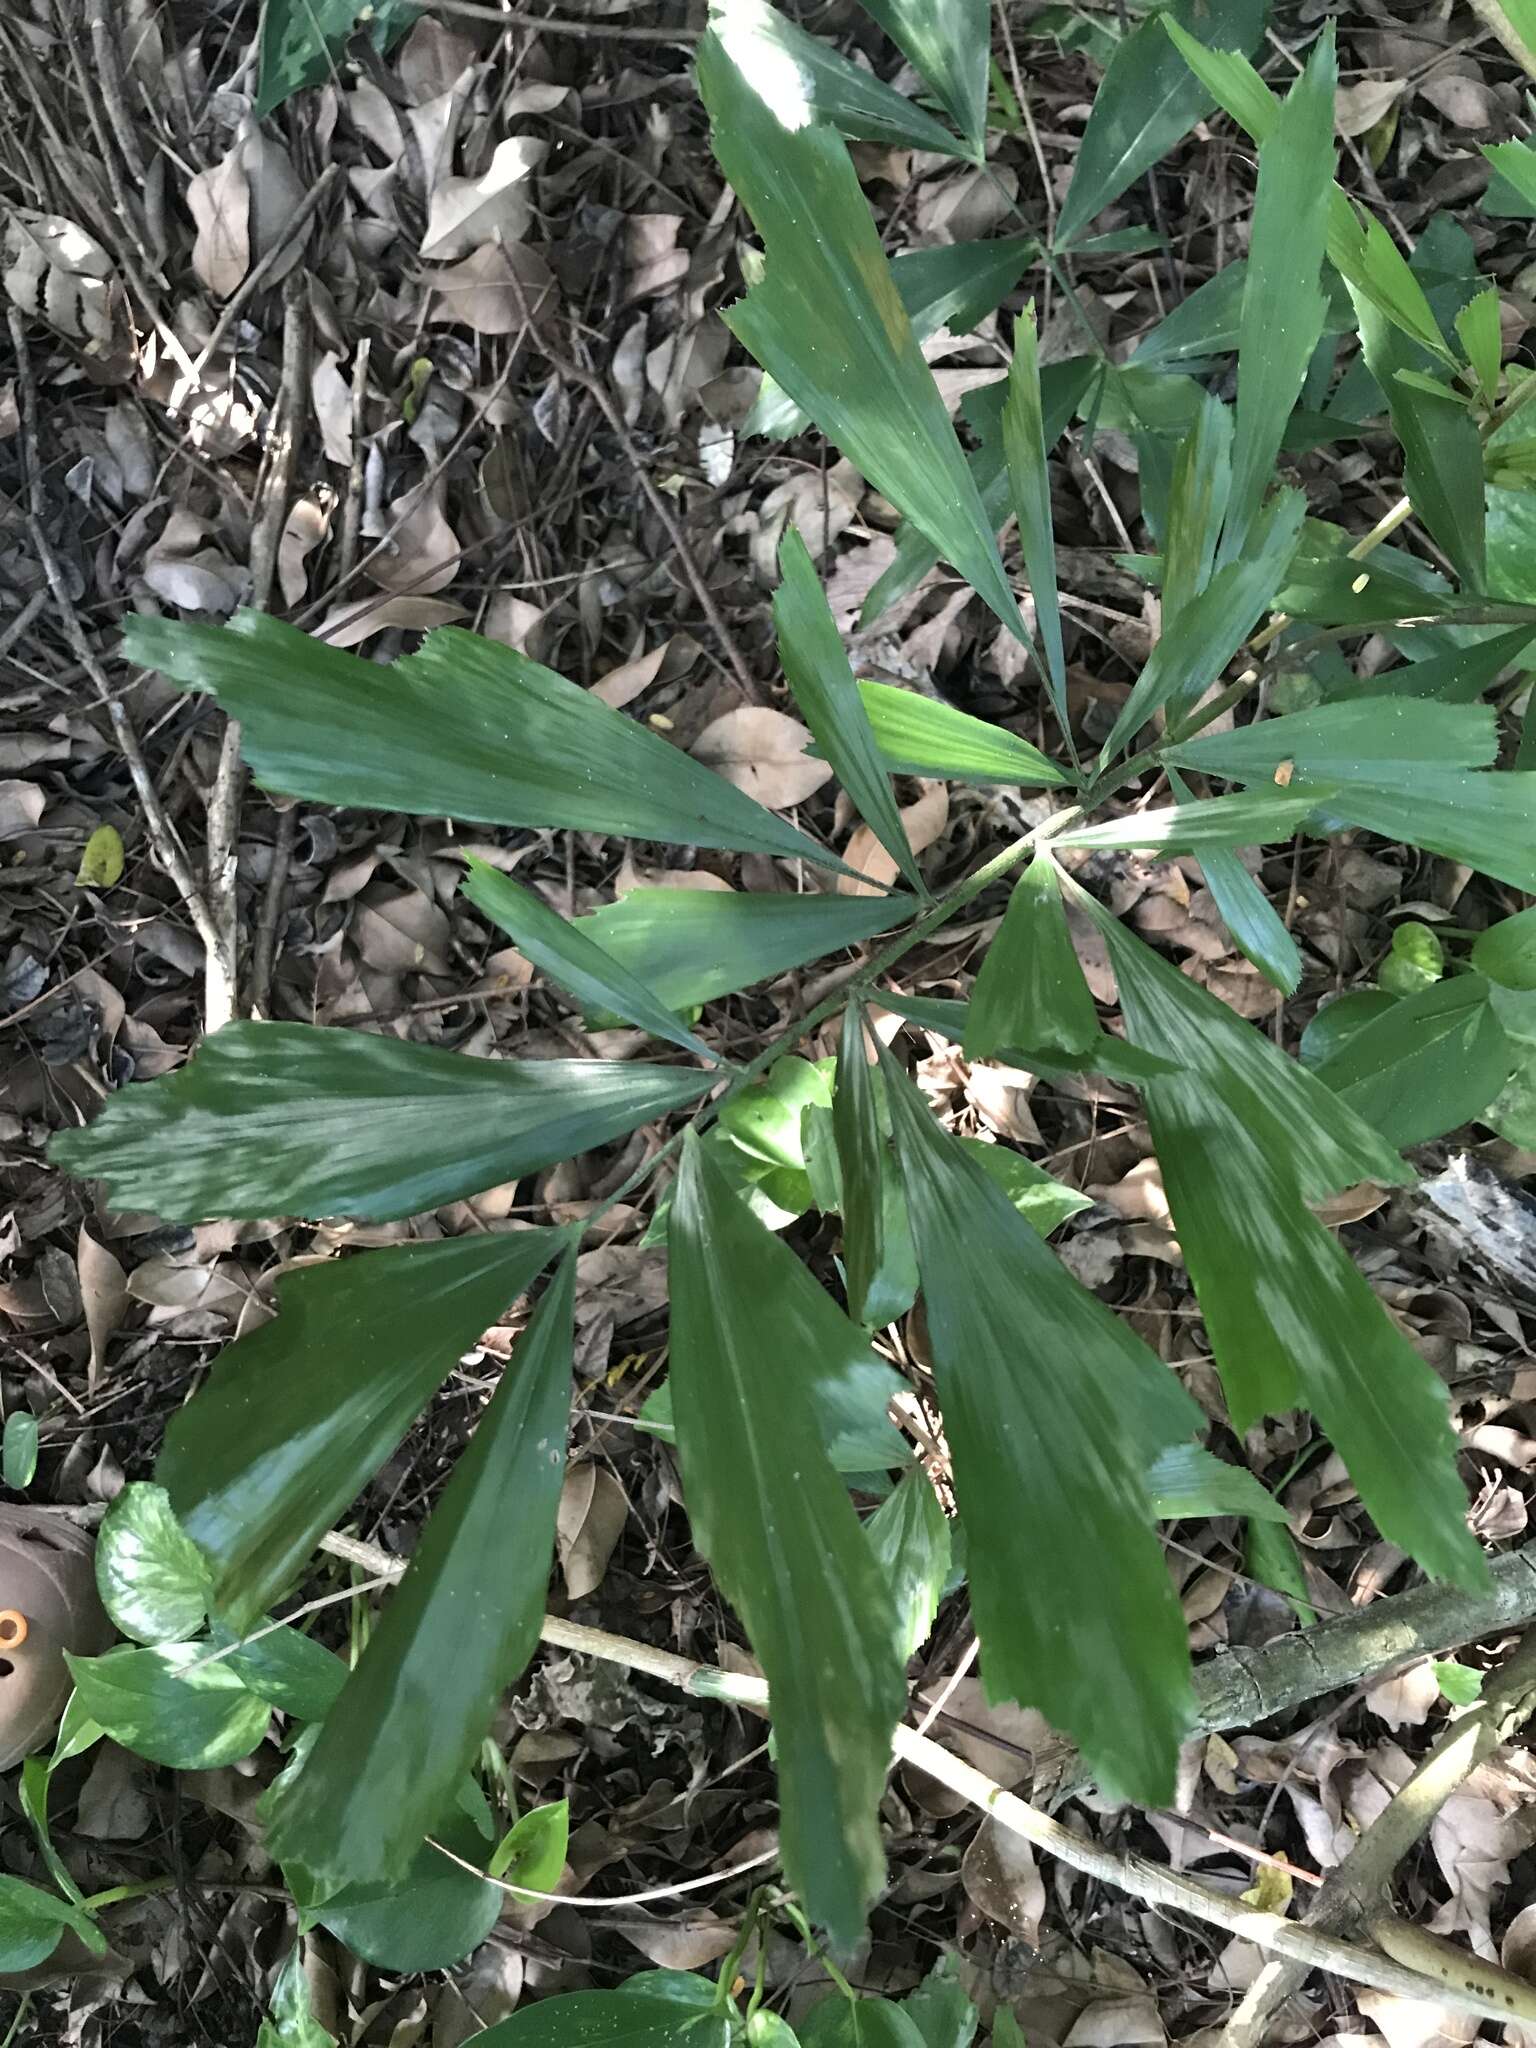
x,y
109,72
264,949
564,25
1353,1895
1153,1882
221,974
168,848
352,508
254,278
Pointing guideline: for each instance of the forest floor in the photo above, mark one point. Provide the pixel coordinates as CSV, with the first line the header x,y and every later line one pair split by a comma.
x,y
560,463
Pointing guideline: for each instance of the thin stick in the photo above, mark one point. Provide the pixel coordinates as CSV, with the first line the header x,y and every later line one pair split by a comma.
x,y
563,25
1153,1882
168,848
1354,1892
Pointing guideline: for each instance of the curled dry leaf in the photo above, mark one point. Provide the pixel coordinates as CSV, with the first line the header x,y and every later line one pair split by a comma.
x,y
922,822
495,290
58,273
423,554
103,1295
762,752
1405,1701
623,684
332,396
591,1517
686,1943
1357,108
495,207
219,201
303,531
1002,1881
21,807
349,625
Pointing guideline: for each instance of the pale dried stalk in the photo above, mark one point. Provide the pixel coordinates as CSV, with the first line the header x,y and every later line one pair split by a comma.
x,y
1153,1882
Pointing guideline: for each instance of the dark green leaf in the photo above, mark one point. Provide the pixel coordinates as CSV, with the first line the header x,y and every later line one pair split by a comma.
x,y
32,1923
532,1852
302,40
460,1627
562,950
1459,677
765,1118
1516,164
1283,304
464,728
1258,817
428,1917
1197,505
821,682
290,2021
1442,451
1186,1481
1506,952
1427,1065
909,1534
851,1390
291,1672
1478,331
609,2019
1270,1556
1024,447
949,42
153,1580
827,322
1257,928
1488,821
775,1522
289,1119
1367,739
18,1450
863,1170
172,1705
1031,989
940,2009
1044,1203
839,92
1207,322
298,1416
922,736
1210,627
1245,1137
1147,102
1338,1021
858,2023
1036,1379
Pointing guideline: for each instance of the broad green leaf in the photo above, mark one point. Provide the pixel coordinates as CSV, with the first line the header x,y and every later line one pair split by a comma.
x,y
1337,590
1197,505
1211,626
1458,1683
1426,1066
302,40
840,2022
775,1522
765,1118
1459,677
291,1119
1506,952
1516,162
290,2020
1442,451
32,1923
1186,1481
862,1168
101,864
922,736
609,2019
765,2029
1478,331
426,1917
827,322
1024,447
153,1580
949,42
955,285
1147,102
821,681
532,1851
1108,1055
1283,303
295,1421
909,1534
18,1449
558,947
1513,1112
171,1705
458,1630
1207,323
291,1672
1031,989
1486,820
1359,247
695,944
837,91
1256,818
1245,1138
1368,739
1063,387
1270,1556
1338,1021
464,728
1256,927
1037,1379
1044,1203
850,1392
940,2009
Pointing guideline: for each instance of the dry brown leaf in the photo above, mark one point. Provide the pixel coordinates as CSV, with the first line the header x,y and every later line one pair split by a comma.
x,y
276,194
495,207
1122,2022
1359,107
1465,102
1416,2022
495,290
1023,1735
686,1943
591,1517
512,620
103,1295
653,259
332,396
303,530
349,625
59,273
1002,1881
922,821
219,201
21,807
623,684
1474,1841
1405,1701
423,555
762,752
